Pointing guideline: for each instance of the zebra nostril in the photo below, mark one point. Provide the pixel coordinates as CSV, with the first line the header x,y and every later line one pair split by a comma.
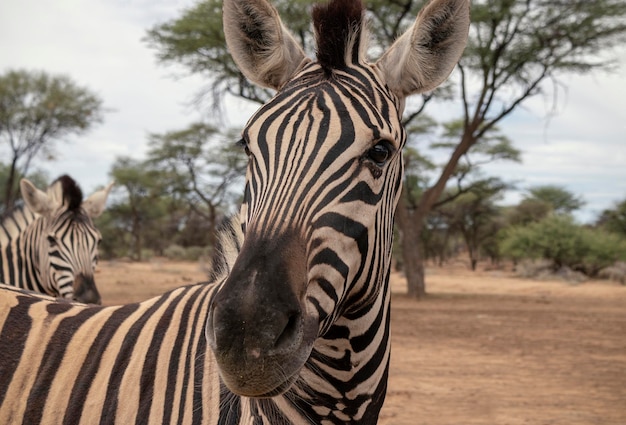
x,y
291,333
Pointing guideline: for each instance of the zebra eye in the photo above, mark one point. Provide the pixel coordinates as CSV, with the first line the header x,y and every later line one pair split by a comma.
x,y
242,143
52,241
380,153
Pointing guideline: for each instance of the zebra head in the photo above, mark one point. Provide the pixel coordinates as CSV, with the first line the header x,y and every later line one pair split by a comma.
x,y
310,285
66,241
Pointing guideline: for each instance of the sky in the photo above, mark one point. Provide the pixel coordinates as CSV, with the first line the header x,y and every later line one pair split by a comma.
x,y
98,43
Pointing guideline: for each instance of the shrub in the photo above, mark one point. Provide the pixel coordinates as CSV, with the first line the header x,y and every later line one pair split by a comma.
x,y
174,252
194,253
566,244
517,243
179,253
146,254
604,249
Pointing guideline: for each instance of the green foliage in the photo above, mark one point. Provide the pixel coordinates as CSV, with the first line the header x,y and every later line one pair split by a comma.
x,y
200,164
175,252
175,197
529,40
142,211
196,40
116,239
475,217
541,201
37,109
491,146
529,211
36,104
614,219
603,251
560,200
559,239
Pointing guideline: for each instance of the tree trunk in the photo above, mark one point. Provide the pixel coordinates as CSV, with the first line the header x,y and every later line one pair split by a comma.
x,y
413,260
411,220
9,196
137,233
474,263
212,229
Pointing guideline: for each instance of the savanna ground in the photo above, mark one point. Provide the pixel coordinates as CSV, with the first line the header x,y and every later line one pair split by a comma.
x,y
483,348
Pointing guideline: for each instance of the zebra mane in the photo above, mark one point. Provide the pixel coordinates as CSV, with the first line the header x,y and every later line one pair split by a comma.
x,y
71,194
229,241
339,33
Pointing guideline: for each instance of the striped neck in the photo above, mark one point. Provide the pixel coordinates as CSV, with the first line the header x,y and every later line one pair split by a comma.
x,y
14,224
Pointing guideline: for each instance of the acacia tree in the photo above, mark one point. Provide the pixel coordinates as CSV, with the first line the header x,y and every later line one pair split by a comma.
x,y
196,40
560,200
142,204
464,181
516,47
36,110
475,216
200,167
614,219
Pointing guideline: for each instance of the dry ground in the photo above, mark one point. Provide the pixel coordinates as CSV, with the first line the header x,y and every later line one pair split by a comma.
x,y
483,348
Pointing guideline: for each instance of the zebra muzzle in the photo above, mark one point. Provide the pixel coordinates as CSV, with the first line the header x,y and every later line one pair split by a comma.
x,y
257,326
85,290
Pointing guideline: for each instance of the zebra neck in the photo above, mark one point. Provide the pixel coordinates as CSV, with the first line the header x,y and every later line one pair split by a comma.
x,y
352,360
15,224
29,243
19,245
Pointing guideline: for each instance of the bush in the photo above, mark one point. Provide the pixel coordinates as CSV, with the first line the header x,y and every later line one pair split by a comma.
x,y
146,254
604,250
175,252
517,243
566,244
178,253
194,253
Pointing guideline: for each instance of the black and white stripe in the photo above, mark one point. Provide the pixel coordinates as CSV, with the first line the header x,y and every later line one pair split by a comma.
x,y
315,192
293,327
50,245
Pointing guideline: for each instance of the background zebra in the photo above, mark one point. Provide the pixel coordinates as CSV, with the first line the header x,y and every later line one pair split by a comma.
x,y
50,244
294,328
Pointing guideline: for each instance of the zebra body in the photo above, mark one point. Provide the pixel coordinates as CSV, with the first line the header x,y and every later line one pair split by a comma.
x,y
50,244
135,363
293,327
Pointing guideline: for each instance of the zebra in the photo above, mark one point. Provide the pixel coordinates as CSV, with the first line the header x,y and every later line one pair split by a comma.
x,y
293,325
50,244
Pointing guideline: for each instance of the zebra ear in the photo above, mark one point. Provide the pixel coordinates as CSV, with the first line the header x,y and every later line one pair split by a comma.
x,y
94,205
36,200
424,56
261,46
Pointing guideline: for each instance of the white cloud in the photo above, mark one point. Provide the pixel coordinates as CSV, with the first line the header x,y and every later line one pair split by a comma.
x,y
99,45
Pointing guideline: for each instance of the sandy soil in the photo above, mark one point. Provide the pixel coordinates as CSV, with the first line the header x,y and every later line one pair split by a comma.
x,y
483,348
